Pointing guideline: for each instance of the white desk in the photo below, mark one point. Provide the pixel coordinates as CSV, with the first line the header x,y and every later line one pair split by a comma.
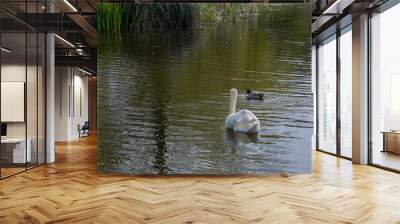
x,y
19,155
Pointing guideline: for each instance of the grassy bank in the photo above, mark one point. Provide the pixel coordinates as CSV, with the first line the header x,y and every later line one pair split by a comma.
x,y
115,17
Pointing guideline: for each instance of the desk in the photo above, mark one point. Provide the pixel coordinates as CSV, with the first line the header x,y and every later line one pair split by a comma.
x,y
15,148
391,141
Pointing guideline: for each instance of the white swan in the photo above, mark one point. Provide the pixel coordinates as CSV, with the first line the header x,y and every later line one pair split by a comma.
x,y
243,121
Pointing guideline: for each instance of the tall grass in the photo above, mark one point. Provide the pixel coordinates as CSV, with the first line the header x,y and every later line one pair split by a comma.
x,y
211,14
116,17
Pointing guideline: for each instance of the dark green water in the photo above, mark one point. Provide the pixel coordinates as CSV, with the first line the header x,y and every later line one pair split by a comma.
x,y
163,97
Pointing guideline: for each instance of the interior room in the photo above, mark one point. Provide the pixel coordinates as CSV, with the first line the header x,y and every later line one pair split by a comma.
x,y
71,103
385,89
27,59
55,96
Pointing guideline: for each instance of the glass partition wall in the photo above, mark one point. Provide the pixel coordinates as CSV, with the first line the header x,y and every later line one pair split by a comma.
x,y
327,95
334,90
385,89
22,78
334,93
345,61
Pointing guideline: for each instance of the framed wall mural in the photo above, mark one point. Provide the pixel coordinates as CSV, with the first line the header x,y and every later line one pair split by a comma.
x,y
169,75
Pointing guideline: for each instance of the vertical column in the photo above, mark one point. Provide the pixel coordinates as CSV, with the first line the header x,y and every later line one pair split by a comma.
x,y
360,90
338,91
314,91
50,92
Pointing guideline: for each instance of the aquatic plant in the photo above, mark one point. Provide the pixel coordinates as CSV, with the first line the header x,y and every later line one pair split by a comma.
x,y
117,17
211,14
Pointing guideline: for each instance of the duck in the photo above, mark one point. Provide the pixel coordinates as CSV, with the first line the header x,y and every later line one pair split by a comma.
x,y
251,95
243,121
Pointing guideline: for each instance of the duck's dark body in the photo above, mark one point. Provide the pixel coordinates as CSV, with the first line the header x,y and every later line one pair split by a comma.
x,y
250,95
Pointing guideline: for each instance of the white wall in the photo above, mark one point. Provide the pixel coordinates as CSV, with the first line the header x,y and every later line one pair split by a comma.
x,y
80,110
14,72
71,94
62,82
17,73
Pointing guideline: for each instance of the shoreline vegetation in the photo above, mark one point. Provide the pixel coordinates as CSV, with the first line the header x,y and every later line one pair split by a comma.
x,y
117,17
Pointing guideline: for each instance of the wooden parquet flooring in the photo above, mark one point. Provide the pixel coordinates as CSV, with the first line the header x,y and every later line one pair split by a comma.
x,y
71,191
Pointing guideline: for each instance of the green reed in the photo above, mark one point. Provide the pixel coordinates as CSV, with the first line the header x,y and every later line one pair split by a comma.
x,y
116,17
127,17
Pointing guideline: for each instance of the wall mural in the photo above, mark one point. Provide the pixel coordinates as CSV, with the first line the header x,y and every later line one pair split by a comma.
x,y
204,88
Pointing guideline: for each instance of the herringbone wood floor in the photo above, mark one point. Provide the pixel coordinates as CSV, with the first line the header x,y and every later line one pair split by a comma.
x,y
70,191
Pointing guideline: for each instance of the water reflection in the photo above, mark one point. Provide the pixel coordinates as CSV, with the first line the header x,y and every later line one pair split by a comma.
x,y
237,139
161,144
163,98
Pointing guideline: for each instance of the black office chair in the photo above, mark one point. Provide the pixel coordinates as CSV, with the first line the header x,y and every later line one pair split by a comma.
x,y
84,130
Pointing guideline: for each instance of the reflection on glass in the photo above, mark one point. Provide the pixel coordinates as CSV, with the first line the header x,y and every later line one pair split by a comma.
x,y
346,92
386,89
22,93
327,95
14,153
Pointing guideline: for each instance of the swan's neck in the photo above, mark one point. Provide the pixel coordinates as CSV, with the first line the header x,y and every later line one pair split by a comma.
x,y
232,101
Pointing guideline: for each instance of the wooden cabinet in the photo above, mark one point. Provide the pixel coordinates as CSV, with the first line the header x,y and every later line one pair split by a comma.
x,y
391,142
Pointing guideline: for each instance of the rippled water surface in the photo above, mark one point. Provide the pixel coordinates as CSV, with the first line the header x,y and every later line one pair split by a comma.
x,y
163,98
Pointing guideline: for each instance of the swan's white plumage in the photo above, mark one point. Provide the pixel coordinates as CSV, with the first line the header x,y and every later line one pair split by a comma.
x,y
243,121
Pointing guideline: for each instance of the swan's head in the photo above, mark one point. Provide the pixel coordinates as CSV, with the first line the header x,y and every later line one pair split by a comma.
x,y
234,92
232,100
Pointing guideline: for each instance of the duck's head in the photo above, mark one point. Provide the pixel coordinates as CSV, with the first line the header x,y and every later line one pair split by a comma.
x,y
248,91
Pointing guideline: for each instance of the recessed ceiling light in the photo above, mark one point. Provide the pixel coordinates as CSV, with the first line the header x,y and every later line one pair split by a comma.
x,y
70,5
65,41
84,71
337,7
5,50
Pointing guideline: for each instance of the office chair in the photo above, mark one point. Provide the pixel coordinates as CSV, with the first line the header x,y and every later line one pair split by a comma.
x,y
84,130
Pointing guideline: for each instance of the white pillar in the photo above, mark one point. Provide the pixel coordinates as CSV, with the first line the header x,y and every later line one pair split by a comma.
x,y
50,93
360,90
50,79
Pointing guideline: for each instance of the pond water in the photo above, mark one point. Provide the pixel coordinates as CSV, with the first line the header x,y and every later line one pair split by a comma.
x,y
163,98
